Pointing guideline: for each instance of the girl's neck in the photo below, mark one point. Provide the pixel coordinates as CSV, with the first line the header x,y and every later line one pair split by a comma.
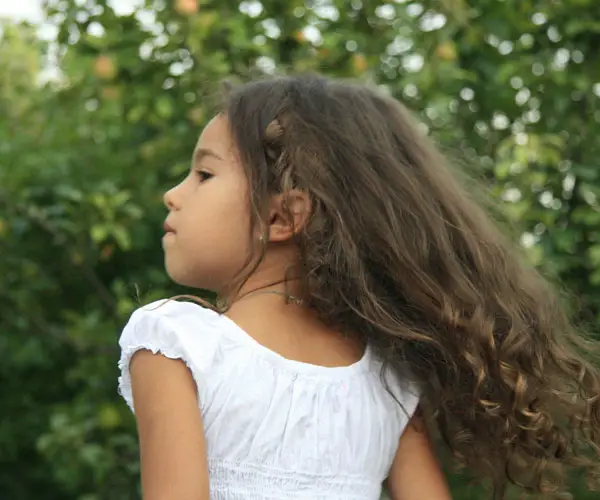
x,y
277,281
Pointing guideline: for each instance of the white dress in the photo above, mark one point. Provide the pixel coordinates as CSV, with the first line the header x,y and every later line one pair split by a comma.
x,y
276,428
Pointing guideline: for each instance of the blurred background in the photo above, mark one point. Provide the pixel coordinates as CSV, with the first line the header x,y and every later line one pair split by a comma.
x,y
101,104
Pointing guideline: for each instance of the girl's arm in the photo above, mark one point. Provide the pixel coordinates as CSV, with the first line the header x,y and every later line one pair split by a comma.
x,y
416,473
171,435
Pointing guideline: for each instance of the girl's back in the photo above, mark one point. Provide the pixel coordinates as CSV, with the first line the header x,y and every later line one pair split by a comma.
x,y
277,427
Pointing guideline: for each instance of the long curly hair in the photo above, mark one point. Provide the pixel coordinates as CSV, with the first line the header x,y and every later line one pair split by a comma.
x,y
398,250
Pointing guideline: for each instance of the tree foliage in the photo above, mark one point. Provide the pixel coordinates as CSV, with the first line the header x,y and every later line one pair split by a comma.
x,y
512,87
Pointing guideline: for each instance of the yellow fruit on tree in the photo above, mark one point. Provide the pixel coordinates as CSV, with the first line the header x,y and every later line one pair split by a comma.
x,y
446,51
359,63
196,115
186,7
105,68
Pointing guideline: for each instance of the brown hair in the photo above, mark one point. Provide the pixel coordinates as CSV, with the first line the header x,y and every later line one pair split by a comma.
x,y
399,251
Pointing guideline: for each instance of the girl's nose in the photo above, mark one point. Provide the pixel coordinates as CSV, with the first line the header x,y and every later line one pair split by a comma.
x,y
168,199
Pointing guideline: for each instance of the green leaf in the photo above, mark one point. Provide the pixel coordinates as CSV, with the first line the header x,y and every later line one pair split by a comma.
x,y
99,233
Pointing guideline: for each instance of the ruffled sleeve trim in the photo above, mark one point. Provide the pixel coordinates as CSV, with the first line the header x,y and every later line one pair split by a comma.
x,y
149,329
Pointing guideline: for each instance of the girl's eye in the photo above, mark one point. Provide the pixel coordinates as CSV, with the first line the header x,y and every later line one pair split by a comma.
x,y
203,176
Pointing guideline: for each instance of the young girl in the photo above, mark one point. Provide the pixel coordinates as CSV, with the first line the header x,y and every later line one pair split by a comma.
x,y
363,297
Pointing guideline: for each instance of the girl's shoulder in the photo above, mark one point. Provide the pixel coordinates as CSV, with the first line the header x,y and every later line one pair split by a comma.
x,y
176,330
169,324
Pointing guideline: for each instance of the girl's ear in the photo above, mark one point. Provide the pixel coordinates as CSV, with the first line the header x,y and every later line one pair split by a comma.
x,y
288,214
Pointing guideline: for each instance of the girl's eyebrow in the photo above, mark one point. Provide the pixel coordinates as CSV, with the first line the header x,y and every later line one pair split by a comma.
x,y
200,153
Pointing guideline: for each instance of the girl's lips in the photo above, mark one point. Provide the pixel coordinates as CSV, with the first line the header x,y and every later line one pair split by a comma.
x,y
168,228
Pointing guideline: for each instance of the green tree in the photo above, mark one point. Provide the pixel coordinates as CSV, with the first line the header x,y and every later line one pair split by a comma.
x,y
510,87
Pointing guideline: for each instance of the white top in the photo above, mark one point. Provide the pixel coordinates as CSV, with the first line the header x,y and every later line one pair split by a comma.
x,y
276,428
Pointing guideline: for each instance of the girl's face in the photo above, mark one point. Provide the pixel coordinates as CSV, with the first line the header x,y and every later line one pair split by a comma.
x,y
207,240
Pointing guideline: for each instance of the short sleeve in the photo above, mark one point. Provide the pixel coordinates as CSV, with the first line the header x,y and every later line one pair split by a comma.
x,y
411,396
406,394
176,330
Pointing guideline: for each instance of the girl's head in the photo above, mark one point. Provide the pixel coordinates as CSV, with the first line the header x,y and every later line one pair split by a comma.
x,y
333,184
334,170
220,234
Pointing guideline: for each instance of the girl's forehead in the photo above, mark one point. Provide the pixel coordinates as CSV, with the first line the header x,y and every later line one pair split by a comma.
x,y
216,137
216,131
